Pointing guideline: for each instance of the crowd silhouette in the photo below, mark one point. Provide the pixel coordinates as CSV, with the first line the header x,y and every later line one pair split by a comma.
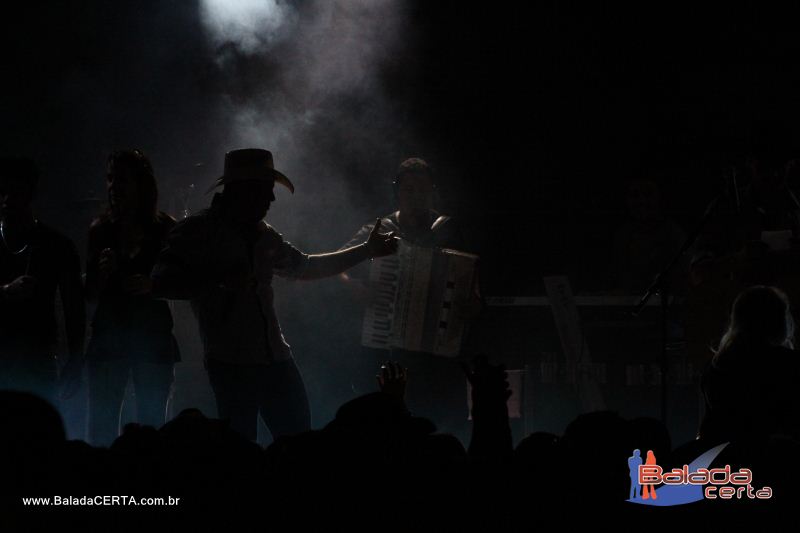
x,y
375,454
376,460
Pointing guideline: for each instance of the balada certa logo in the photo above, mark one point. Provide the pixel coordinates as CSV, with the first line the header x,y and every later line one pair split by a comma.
x,y
651,485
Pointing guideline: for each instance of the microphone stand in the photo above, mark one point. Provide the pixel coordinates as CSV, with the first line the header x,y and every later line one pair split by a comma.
x,y
661,286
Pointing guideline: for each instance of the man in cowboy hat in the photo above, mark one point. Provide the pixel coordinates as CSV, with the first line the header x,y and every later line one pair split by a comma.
x,y
223,259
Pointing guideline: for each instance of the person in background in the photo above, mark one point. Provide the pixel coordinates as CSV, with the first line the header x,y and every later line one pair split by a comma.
x,y
749,386
36,263
131,332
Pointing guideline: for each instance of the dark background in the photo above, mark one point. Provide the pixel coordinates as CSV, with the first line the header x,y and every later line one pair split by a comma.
x,y
533,115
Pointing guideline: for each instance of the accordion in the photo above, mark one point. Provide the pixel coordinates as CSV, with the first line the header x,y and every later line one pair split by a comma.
x,y
419,292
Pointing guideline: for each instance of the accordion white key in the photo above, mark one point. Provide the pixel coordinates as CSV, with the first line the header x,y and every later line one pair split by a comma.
x,y
418,290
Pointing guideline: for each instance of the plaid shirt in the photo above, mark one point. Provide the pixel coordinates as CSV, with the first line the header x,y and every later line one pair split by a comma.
x,y
228,279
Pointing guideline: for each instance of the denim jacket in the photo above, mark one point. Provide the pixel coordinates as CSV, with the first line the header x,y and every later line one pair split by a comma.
x,y
228,279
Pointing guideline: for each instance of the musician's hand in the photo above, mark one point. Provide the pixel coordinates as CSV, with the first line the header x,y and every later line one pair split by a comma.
x,y
392,379
22,288
381,244
137,285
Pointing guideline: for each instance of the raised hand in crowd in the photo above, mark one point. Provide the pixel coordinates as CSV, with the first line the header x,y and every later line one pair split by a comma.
x,y
491,433
393,379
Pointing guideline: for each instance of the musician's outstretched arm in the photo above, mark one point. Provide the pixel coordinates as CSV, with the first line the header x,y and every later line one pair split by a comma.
x,y
324,265
361,273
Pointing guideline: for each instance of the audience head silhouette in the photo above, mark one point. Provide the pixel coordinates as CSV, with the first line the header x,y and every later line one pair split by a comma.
x,y
761,316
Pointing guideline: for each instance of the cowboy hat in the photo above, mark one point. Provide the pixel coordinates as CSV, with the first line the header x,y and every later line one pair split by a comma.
x,y
250,164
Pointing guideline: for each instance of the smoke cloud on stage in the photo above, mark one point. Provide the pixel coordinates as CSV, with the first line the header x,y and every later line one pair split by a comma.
x,y
306,81
328,86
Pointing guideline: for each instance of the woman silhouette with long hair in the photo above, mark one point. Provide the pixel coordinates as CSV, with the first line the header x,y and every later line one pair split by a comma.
x,y
749,384
131,331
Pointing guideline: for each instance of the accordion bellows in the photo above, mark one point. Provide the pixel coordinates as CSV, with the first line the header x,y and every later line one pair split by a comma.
x,y
419,292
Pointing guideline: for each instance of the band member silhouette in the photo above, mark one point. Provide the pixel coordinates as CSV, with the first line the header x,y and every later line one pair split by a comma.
x,y
131,331
36,263
223,259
